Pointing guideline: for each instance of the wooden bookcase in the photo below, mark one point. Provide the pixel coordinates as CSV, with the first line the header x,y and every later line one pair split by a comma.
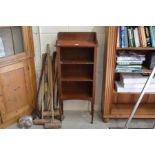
x,y
76,59
120,105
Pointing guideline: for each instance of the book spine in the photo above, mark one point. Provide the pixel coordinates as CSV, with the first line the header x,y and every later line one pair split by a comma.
x,y
136,37
147,34
140,36
126,58
123,37
126,36
129,62
152,36
137,85
129,66
153,30
118,38
130,37
143,36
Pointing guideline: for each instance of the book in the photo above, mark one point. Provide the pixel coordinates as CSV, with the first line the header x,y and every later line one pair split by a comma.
x,y
118,38
121,89
129,69
130,36
129,66
134,78
152,36
136,37
123,36
137,85
130,56
140,36
126,36
143,36
153,30
147,34
129,62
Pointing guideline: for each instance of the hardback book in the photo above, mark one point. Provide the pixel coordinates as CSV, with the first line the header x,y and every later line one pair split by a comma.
x,y
152,36
126,36
121,69
123,36
118,38
130,36
129,66
134,78
147,34
140,36
153,30
136,36
120,88
142,31
129,62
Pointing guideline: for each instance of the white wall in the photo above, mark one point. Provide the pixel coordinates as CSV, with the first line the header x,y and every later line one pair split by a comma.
x,y
47,35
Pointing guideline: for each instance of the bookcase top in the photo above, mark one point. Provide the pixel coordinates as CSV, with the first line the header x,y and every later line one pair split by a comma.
x,y
81,39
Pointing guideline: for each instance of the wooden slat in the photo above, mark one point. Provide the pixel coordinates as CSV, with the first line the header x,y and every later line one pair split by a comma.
x,y
126,109
109,64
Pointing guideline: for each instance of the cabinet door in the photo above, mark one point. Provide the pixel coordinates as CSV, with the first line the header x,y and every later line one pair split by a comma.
x,y
15,91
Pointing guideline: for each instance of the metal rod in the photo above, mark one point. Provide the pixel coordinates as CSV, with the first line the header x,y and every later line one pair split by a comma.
x,y
140,98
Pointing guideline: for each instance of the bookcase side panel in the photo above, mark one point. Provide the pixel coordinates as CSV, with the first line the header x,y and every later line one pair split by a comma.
x,y
109,64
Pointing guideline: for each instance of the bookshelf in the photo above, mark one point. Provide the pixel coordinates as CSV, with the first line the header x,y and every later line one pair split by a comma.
x,y
120,104
76,67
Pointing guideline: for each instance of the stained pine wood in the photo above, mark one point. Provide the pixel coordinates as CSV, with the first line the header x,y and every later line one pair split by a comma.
x,y
17,82
76,58
119,105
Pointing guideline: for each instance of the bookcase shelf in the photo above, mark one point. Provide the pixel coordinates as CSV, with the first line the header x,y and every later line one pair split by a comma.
x,y
124,110
76,67
120,104
77,90
77,62
77,72
131,93
77,78
136,49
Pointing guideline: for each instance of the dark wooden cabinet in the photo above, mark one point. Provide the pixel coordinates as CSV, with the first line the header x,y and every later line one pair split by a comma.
x,y
17,74
120,104
76,59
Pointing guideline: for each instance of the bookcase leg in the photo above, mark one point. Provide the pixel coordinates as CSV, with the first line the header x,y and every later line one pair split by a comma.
x,y
61,109
92,112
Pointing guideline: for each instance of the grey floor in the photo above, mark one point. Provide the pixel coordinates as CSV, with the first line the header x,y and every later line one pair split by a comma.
x,y
81,120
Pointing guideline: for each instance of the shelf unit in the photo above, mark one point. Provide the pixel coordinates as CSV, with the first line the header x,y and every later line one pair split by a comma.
x,y
116,104
76,57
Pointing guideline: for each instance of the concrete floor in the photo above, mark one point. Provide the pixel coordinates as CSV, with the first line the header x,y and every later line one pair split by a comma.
x,y
81,120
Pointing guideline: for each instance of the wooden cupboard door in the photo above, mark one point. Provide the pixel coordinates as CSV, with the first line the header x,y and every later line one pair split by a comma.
x,y
15,91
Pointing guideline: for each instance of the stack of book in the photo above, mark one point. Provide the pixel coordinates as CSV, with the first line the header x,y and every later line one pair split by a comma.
x,y
136,36
129,61
133,83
